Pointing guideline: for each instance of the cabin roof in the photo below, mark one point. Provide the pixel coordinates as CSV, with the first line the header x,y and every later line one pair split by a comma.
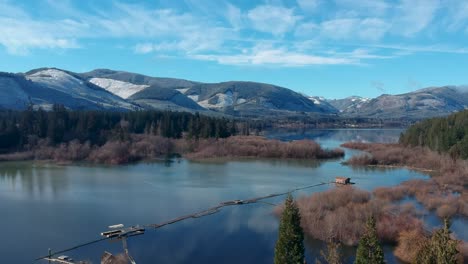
x,y
341,178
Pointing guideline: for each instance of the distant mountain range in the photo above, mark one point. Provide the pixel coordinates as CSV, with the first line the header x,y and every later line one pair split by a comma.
x,y
423,103
104,89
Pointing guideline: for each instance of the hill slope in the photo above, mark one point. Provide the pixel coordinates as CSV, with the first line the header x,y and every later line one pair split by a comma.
x,y
232,98
250,98
62,87
45,87
164,99
447,134
104,89
137,79
424,103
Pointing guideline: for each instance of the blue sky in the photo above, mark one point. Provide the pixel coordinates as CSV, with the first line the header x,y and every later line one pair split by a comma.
x,y
331,48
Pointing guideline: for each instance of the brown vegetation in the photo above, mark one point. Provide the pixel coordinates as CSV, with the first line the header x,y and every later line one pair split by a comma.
x,y
143,147
260,147
17,156
108,258
341,213
446,192
398,155
409,244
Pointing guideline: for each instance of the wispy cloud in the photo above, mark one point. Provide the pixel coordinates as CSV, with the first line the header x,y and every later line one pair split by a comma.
x,y
309,5
312,32
267,54
274,57
352,28
414,15
273,19
234,16
364,8
420,48
19,36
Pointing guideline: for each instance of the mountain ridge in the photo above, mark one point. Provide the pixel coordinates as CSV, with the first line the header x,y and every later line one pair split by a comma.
x,y
105,89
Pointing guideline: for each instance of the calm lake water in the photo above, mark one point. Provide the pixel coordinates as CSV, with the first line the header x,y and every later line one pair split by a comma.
x,y
47,206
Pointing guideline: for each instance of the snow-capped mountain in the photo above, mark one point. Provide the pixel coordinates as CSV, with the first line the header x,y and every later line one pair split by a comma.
x,y
137,79
45,87
348,104
120,88
154,97
319,100
428,102
250,99
123,91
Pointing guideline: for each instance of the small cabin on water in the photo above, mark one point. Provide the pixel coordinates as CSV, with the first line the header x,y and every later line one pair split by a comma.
x,y
342,180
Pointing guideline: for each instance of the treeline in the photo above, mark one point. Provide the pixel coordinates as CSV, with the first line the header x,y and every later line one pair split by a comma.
x,y
20,130
447,134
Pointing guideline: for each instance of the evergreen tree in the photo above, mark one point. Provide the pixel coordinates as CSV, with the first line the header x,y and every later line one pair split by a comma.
x,y
369,250
440,249
290,245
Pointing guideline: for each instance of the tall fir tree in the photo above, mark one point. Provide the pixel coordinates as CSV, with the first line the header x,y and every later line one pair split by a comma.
x,y
440,248
370,250
290,245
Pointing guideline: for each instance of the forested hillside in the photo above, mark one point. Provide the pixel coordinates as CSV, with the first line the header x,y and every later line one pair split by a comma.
x,y
22,129
447,134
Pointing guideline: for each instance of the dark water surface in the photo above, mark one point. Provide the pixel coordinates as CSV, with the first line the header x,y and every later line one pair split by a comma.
x,y
47,206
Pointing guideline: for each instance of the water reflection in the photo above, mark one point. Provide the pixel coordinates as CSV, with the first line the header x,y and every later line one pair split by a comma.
x,y
60,206
26,180
334,136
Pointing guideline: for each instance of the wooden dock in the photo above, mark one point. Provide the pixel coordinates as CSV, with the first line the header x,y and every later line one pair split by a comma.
x,y
59,260
123,233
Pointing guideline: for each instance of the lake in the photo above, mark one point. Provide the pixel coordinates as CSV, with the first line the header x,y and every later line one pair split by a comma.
x,y
49,206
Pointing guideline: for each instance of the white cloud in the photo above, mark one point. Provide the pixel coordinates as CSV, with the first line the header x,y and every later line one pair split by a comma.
x,y
362,53
20,35
181,30
268,55
309,5
136,21
364,7
234,16
408,49
458,17
307,29
354,28
230,35
144,48
414,15
272,19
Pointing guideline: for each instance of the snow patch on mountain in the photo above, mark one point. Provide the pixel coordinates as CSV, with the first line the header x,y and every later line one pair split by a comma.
x,y
77,88
119,88
219,100
194,97
183,90
241,101
315,100
58,80
318,100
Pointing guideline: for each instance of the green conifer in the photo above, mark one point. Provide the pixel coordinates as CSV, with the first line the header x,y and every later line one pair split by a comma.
x,y
369,250
290,245
440,249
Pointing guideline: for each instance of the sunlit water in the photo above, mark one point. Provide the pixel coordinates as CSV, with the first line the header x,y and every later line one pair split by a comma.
x,y
47,206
